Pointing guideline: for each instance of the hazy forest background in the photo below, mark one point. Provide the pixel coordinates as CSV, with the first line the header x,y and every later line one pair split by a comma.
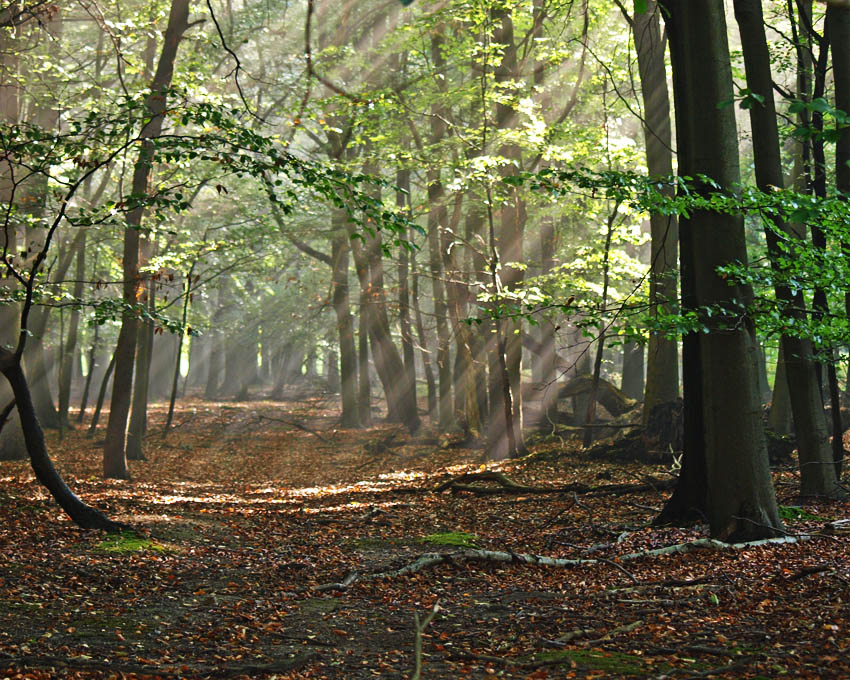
x,y
424,339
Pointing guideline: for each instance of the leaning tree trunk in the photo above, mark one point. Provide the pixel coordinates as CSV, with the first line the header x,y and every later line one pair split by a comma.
x,y
83,515
114,455
741,501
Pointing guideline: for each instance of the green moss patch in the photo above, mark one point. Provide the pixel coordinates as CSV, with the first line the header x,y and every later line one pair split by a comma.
x,y
458,538
794,512
128,542
610,662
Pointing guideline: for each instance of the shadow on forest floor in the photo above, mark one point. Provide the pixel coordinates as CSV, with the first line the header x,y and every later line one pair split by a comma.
x,y
253,516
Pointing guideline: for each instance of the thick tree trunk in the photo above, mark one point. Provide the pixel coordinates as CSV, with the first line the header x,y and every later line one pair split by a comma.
x,y
741,501
114,455
817,476
662,373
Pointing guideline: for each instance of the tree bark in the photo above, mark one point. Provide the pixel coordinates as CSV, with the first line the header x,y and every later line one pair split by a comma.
x,y
838,19
740,500
114,455
662,373
817,476
344,324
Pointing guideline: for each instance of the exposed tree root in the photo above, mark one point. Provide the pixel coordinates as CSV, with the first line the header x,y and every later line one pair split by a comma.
x,y
508,486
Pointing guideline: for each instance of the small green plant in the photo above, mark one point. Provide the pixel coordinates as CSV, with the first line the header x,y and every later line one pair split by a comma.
x,y
127,542
458,538
795,512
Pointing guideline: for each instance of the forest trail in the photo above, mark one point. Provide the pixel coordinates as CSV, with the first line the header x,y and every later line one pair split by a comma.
x,y
261,527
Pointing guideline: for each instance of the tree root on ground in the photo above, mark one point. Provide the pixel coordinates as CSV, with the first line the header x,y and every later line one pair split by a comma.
x,y
508,486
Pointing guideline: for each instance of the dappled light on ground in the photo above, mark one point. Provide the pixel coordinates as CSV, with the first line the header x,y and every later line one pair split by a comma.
x,y
264,551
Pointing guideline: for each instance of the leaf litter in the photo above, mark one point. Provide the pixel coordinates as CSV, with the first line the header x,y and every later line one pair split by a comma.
x,y
270,543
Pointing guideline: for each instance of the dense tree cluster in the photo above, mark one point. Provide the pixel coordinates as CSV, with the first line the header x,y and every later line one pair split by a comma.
x,y
467,208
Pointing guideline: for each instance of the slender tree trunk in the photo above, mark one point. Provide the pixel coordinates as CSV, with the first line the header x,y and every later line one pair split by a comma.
x,y
344,324
141,385
101,394
408,347
662,374
91,364
114,456
838,19
817,476
66,367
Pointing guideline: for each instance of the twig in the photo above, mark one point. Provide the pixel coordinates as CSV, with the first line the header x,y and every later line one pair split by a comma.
x,y
296,425
419,628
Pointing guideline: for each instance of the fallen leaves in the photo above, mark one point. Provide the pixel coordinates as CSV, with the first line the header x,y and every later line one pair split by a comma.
x,y
243,519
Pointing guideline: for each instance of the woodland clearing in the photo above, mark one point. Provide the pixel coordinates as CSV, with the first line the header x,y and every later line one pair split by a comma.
x,y
268,542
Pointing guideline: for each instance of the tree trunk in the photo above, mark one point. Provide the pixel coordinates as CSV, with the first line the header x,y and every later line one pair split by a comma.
x,y
817,477
632,380
780,418
838,19
83,515
114,456
66,367
344,324
741,501
662,373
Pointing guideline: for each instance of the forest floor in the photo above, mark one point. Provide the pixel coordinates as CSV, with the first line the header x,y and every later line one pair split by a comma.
x,y
268,540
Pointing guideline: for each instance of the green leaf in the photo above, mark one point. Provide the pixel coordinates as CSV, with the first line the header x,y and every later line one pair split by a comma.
x,y
640,6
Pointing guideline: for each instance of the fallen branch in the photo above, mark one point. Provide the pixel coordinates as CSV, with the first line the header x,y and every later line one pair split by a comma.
x,y
296,425
476,555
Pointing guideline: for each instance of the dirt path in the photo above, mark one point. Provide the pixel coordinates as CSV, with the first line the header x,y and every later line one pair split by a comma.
x,y
245,509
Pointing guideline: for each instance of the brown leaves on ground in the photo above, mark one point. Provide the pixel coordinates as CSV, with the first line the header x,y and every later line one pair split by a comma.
x,y
244,509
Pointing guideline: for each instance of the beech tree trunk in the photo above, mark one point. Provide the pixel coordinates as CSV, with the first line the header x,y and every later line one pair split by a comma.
x,y
114,455
662,372
838,19
344,324
740,500
817,476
